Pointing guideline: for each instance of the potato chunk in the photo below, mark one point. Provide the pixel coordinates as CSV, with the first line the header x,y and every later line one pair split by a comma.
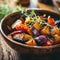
x,y
45,30
31,42
56,30
27,37
57,38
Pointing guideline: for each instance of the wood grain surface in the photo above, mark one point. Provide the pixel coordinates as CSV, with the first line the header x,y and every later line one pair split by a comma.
x,y
47,7
6,52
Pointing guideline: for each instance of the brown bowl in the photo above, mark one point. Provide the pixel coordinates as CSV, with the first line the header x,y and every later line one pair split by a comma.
x,y
22,48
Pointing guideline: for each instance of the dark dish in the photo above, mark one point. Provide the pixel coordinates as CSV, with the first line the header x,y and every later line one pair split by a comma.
x,y
35,30
20,39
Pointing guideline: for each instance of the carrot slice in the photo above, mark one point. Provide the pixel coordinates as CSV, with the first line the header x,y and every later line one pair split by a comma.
x,y
51,21
37,25
45,30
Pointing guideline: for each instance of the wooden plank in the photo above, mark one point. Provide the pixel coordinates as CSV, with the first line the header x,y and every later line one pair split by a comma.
x,y
45,7
6,52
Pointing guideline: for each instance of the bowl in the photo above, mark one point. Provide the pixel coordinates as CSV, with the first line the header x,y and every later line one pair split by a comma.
x,y
23,48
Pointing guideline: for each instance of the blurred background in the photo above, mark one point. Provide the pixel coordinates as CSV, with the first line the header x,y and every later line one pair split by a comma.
x,y
51,5
32,3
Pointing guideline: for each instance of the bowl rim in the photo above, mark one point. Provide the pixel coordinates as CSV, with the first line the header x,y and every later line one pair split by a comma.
x,y
24,45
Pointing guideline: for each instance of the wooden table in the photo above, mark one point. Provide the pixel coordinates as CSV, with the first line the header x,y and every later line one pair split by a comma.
x,y
7,53
48,7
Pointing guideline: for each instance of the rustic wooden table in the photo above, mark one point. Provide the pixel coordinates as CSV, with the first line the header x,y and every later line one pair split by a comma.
x,y
48,7
7,53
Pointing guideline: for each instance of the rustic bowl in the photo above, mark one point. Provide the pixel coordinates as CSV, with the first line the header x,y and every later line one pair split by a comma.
x,y
22,48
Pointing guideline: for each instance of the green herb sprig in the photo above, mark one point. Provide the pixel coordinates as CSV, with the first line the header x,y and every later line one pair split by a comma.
x,y
4,10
